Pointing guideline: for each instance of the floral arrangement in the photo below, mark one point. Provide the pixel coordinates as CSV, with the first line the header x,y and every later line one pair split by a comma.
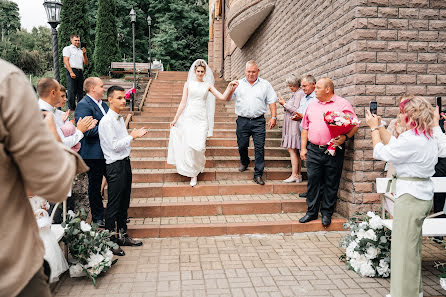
x,y
89,248
441,266
339,122
367,246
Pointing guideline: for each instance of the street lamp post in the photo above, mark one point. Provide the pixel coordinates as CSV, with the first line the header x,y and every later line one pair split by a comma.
x,y
149,22
133,20
52,8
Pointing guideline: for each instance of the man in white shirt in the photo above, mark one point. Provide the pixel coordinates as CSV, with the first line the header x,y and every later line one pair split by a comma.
x,y
308,84
253,96
115,143
74,59
49,91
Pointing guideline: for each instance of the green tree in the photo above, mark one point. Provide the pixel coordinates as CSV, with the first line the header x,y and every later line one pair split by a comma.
x,y
106,45
181,33
9,18
29,51
74,20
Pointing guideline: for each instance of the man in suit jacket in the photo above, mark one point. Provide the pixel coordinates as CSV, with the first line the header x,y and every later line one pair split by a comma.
x,y
91,152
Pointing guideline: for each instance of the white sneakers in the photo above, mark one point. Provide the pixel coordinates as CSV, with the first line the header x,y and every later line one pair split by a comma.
x,y
293,179
193,181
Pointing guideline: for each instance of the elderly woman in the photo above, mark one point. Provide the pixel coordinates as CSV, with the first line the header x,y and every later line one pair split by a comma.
x,y
414,155
290,130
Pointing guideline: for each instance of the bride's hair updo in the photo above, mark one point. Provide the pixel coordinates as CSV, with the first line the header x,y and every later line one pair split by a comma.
x,y
200,63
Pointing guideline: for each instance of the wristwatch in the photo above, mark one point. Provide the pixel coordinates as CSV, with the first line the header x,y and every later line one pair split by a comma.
x,y
274,118
346,137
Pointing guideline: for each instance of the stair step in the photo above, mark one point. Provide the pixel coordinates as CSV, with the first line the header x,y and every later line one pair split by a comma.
x,y
228,225
166,125
226,142
168,118
211,188
218,133
214,208
210,151
209,174
211,162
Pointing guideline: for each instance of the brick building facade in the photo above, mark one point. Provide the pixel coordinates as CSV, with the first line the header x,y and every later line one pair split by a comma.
x,y
373,50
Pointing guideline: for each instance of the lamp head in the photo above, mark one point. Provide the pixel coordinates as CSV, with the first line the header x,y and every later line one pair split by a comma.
x,y
149,20
52,8
133,16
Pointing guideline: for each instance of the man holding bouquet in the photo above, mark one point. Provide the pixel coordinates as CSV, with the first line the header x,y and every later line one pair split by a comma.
x,y
324,169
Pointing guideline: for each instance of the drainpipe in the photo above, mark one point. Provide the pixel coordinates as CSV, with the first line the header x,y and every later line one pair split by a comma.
x,y
222,71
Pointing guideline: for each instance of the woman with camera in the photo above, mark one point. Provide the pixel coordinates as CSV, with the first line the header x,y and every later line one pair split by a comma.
x,y
414,155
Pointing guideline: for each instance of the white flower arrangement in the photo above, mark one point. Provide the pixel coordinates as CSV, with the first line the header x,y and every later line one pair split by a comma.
x,y
89,248
367,247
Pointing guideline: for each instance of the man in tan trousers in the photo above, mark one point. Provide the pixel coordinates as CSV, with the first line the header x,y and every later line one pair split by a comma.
x,y
30,158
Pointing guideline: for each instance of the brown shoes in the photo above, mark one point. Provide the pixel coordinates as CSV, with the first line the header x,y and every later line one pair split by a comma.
x,y
258,180
126,240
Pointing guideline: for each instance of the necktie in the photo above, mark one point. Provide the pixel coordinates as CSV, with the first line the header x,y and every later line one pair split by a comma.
x,y
54,109
119,117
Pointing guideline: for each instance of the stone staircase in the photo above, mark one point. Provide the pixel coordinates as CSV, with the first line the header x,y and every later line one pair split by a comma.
x,y
225,201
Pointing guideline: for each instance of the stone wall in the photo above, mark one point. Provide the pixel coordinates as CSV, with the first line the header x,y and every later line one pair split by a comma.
x,y
373,50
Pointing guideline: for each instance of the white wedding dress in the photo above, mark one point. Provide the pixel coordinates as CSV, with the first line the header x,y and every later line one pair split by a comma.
x,y
187,141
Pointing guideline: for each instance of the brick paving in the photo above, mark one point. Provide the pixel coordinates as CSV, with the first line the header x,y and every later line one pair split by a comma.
x,y
303,264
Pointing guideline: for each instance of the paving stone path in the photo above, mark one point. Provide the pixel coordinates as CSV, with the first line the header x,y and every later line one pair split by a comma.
x,y
302,264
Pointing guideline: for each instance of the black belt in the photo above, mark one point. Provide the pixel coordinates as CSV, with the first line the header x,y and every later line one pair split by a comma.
x,y
126,158
76,69
252,118
321,147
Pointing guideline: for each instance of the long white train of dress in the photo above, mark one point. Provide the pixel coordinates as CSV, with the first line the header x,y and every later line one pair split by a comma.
x,y
187,140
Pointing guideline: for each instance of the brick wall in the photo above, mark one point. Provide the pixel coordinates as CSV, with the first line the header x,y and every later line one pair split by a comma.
x,y
373,50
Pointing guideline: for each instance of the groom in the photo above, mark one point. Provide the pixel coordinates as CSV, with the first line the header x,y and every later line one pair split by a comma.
x,y
253,95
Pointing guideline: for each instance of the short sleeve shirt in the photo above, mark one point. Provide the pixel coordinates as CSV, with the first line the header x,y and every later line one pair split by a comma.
x,y
75,56
313,121
252,100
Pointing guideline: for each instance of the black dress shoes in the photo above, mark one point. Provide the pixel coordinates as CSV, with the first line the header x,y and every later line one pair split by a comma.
x,y
242,167
118,251
306,218
326,221
126,240
303,195
258,180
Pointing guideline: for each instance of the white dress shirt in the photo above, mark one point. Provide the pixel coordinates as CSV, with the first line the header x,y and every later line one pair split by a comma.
x,y
114,138
252,100
413,156
75,56
98,103
68,141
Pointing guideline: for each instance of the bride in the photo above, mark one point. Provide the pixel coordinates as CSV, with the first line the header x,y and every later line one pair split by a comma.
x,y
194,121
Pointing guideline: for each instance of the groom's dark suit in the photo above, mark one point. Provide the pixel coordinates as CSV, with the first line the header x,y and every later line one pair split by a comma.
x,y
92,154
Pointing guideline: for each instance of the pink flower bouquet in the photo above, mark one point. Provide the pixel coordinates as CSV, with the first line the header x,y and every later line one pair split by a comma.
x,y
129,93
339,122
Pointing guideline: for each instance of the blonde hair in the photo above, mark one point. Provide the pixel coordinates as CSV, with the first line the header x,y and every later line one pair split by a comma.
x,y
200,63
418,115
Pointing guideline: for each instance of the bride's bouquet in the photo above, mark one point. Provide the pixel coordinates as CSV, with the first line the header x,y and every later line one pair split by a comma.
x,y
339,122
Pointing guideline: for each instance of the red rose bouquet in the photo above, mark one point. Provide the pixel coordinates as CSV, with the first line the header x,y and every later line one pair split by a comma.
x,y
339,122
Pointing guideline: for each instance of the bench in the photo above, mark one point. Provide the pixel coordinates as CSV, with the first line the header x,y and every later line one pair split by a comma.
x,y
127,67
432,226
